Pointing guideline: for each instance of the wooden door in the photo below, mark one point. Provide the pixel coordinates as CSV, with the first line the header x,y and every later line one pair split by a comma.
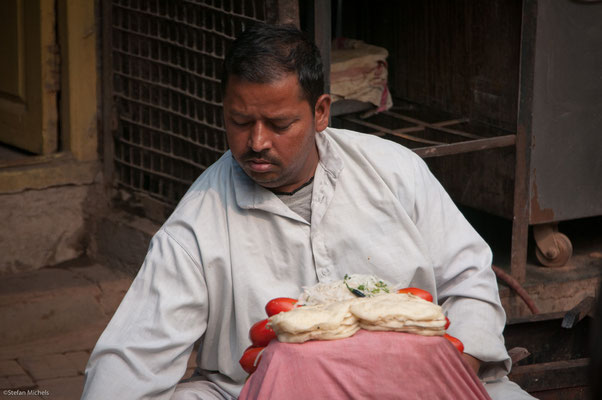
x,y
29,75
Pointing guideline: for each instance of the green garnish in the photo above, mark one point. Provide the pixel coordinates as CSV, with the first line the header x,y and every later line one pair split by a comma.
x,y
363,288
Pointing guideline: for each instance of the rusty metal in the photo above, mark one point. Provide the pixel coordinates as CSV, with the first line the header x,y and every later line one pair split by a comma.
x,y
520,221
557,126
437,125
507,85
452,141
544,237
393,132
554,249
466,147
565,167
515,285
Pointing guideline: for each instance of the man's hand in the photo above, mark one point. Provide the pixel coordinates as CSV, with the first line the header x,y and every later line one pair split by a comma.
x,y
474,363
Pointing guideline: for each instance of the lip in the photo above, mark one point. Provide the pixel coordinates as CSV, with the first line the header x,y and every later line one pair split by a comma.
x,y
259,165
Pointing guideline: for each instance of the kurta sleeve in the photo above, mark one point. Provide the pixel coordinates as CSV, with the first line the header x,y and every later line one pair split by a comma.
x,y
466,284
143,352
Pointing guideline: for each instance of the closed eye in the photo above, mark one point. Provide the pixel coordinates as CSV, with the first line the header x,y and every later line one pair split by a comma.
x,y
239,123
282,126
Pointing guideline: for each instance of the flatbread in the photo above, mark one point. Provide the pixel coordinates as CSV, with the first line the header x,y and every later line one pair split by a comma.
x,y
319,317
406,329
399,306
320,322
342,332
400,312
340,319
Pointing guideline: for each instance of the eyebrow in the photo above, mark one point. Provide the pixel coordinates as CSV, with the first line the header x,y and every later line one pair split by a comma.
x,y
276,118
285,118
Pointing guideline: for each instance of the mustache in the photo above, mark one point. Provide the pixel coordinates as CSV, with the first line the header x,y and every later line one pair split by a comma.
x,y
250,155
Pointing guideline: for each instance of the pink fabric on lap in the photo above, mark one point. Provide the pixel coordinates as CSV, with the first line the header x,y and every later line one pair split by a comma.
x,y
368,365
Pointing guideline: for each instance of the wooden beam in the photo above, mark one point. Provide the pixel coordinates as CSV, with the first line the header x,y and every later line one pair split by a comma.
x,y
79,104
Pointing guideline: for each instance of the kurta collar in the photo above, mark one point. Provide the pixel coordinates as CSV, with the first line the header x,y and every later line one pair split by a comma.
x,y
250,195
325,178
329,158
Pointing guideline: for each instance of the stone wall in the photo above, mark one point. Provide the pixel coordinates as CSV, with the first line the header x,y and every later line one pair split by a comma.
x,y
120,240
42,227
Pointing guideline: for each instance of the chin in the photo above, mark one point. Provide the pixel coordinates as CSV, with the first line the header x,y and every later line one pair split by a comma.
x,y
260,179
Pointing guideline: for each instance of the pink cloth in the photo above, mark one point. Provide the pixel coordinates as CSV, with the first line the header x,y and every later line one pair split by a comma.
x,y
368,365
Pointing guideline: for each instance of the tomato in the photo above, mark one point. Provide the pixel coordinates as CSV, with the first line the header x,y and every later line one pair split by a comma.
x,y
260,334
456,342
447,322
250,358
280,304
423,294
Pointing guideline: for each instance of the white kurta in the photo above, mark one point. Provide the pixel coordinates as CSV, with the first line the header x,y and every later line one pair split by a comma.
x,y
231,246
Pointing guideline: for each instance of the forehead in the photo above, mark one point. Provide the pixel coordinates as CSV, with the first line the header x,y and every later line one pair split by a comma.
x,y
242,95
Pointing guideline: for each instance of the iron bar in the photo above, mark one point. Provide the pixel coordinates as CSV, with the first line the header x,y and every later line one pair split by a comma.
x,y
466,147
391,131
438,126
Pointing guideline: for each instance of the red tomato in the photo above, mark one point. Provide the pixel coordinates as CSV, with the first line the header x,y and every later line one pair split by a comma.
x,y
280,304
250,359
260,334
447,322
423,294
456,342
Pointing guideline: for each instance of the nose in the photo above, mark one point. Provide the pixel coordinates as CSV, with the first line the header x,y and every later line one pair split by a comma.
x,y
259,139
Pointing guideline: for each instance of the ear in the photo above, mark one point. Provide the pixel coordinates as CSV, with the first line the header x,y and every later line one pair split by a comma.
x,y
322,112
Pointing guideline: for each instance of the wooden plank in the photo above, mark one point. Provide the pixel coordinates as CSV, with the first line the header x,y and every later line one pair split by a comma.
x,y
551,375
573,393
109,120
577,313
77,29
537,318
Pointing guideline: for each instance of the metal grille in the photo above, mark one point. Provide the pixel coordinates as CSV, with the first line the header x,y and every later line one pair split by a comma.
x,y
167,58
428,132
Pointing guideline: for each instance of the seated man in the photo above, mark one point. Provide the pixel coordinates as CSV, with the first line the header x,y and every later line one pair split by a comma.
x,y
291,204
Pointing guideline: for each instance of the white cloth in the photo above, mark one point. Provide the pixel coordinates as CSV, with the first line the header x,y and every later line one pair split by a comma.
x,y
231,246
504,389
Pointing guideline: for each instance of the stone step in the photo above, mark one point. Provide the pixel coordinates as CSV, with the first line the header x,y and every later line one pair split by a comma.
x,y
55,301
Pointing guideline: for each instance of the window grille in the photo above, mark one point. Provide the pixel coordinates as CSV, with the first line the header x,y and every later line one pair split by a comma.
x,y
166,62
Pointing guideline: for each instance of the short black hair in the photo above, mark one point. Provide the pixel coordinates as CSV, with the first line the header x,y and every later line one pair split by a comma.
x,y
264,53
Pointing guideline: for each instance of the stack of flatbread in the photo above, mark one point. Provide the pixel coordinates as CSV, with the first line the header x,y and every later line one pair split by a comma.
x,y
340,319
400,312
327,321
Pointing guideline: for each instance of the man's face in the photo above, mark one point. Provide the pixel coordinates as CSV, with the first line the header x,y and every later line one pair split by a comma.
x,y
271,130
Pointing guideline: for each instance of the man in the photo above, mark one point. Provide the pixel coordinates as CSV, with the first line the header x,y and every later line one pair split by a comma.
x,y
293,203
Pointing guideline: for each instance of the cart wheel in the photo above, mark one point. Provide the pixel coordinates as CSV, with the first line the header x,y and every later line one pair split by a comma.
x,y
562,256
